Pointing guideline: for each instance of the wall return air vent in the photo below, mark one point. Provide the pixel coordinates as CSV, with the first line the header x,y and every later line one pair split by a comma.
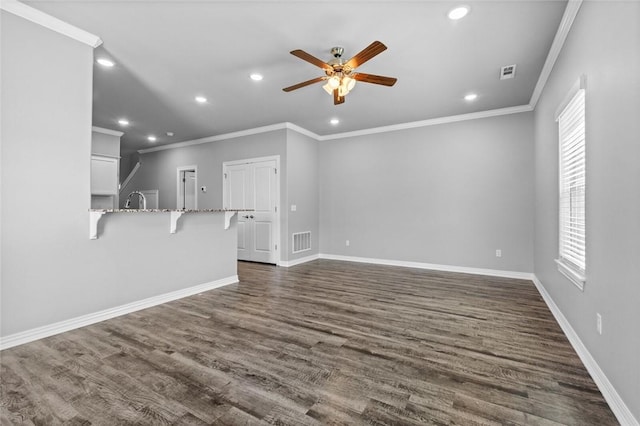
x,y
301,241
508,71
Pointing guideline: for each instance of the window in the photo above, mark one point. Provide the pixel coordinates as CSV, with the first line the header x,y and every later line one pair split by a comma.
x,y
572,247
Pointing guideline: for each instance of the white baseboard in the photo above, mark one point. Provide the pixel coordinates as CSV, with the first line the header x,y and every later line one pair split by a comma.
x,y
23,337
433,266
295,262
617,405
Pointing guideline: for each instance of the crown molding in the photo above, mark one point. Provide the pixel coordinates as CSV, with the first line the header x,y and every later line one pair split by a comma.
x,y
107,131
303,131
569,16
208,139
34,15
430,122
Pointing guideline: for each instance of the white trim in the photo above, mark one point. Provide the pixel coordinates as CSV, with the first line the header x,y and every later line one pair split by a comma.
x,y
290,263
617,405
278,226
569,16
34,15
251,161
178,182
305,132
133,171
84,320
431,122
107,131
433,266
576,278
580,84
216,138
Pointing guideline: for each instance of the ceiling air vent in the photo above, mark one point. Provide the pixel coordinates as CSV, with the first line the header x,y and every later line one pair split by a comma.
x,y
508,71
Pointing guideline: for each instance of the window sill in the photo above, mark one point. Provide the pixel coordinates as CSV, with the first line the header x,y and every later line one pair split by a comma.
x,y
577,278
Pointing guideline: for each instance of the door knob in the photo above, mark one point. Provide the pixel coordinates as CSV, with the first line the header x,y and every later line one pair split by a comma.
x,y
251,217
245,217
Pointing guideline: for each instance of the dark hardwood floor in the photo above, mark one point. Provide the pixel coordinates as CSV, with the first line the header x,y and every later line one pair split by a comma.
x,y
325,342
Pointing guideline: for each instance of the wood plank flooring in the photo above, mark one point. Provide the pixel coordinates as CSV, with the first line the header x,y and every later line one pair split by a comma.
x,y
325,342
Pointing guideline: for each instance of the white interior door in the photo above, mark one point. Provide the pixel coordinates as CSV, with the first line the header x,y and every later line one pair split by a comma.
x,y
254,185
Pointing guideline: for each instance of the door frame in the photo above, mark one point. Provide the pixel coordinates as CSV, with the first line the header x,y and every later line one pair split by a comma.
x,y
179,181
276,231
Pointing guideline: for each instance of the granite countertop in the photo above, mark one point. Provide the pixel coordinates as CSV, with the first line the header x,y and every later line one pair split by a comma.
x,y
168,210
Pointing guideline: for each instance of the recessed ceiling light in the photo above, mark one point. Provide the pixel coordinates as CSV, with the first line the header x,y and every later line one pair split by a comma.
x,y
256,77
458,13
201,99
105,62
334,121
123,122
151,138
470,97
169,133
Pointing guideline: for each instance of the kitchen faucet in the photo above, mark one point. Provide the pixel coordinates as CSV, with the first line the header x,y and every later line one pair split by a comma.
x,y
142,201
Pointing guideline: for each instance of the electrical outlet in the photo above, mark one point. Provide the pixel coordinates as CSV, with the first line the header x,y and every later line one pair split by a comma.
x,y
347,243
498,253
599,323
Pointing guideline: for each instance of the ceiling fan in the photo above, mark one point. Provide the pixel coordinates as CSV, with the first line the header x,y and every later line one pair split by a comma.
x,y
340,75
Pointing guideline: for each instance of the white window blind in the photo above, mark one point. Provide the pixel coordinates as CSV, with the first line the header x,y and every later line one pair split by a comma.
x,y
571,126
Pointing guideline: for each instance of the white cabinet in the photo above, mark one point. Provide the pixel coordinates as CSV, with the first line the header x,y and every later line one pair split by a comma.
x,y
105,168
104,182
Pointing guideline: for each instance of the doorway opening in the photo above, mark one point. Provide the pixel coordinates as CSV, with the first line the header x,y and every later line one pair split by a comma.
x,y
187,194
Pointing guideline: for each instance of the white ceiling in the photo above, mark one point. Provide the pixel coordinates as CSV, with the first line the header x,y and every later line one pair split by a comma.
x,y
167,52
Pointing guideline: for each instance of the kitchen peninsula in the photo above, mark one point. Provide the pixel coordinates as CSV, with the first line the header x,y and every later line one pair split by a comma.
x,y
96,214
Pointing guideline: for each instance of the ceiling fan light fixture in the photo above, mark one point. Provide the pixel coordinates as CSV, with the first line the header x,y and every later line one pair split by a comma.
x,y
349,83
327,88
334,82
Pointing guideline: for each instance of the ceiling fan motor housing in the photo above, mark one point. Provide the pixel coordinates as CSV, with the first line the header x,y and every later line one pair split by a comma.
x,y
336,62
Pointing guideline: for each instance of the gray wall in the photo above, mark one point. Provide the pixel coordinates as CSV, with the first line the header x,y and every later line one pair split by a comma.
x,y
604,45
302,190
449,194
298,177
51,271
158,170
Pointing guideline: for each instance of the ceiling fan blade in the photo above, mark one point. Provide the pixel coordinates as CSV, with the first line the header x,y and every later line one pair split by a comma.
x,y
367,53
375,79
304,83
311,59
337,99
